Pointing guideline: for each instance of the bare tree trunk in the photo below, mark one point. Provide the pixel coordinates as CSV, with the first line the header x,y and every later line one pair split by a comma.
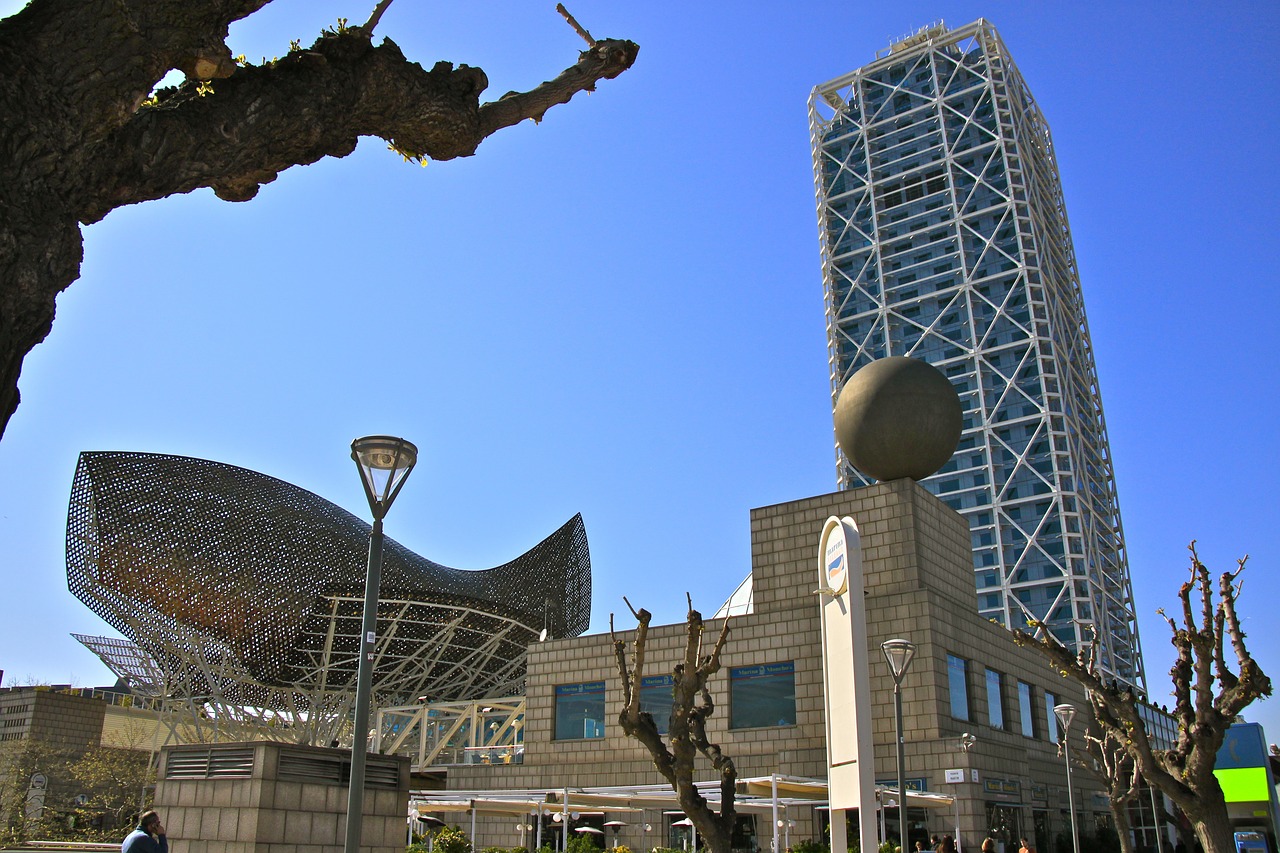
x,y
1213,829
691,705
1120,817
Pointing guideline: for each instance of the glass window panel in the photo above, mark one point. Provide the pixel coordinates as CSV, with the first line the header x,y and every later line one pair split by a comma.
x,y
1025,710
1051,728
655,697
959,687
762,695
580,710
995,700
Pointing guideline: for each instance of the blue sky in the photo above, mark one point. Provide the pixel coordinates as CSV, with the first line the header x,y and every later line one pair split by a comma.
x,y
619,311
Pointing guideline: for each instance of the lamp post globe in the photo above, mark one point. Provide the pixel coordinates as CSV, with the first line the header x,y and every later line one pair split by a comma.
x,y
384,463
1065,713
899,653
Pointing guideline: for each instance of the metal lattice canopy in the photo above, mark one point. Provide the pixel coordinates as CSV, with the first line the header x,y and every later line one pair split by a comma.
x,y
246,591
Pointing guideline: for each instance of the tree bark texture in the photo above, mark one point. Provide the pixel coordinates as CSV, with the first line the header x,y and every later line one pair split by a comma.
x,y
81,133
1208,697
691,706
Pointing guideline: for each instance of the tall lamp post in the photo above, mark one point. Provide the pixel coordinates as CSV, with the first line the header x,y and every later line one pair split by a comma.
x,y
1065,714
384,463
899,654
967,741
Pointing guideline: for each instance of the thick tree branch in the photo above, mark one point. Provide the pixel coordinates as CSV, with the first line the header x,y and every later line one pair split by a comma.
x,y
604,60
310,104
635,722
372,23
81,136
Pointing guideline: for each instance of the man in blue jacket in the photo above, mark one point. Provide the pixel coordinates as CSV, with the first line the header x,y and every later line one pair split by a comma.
x,y
148,837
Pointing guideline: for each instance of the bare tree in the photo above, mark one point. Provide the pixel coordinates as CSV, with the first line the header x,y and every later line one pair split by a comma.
x,y
691,706
1114,767
83,133
1208,697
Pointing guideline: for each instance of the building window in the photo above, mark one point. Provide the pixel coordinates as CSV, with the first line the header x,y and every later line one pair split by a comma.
x,y
580,710
1051,727
655,698
763,695
1025,709
995,700
958,683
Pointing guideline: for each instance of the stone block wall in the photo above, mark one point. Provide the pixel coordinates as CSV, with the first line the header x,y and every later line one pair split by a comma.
x,y
277,798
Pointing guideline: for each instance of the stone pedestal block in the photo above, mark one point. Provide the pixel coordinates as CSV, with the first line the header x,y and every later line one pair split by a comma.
x,y
277,798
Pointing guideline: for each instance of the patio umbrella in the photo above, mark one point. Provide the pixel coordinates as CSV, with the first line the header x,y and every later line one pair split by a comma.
x,y
590,829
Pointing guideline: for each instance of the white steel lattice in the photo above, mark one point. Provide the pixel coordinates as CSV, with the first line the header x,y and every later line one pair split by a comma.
x,y
241,598
945,238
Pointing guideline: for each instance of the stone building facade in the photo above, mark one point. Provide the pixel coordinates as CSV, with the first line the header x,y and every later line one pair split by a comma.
x,y
968,676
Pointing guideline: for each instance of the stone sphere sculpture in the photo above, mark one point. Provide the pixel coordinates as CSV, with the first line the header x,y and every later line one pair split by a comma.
x,y
898,417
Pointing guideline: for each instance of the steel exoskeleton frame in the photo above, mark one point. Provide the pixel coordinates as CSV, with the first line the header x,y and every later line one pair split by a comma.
x,y
944,237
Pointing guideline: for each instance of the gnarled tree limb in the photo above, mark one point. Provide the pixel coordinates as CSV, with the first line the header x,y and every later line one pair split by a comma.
x,y
82,134
1208,698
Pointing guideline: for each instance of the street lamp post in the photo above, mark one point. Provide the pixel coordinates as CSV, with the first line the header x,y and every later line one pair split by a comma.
x,y
967,740
899,654
384,463
1065,714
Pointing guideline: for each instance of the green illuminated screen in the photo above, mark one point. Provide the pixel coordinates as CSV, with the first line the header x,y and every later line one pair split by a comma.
x,y
1244,784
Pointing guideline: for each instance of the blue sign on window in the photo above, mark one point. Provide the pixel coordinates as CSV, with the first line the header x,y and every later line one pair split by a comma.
x,y
656,699
580,710
762,695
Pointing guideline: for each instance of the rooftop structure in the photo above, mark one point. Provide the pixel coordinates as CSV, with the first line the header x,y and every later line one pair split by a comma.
x,y
945,238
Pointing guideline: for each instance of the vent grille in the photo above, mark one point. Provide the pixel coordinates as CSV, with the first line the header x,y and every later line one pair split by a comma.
x,y
381,774
212,763
312,768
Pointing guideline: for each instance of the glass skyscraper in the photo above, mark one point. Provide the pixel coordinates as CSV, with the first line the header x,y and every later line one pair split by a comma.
x,y
945,238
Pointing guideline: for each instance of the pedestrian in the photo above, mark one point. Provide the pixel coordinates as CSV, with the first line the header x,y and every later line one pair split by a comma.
x,y
1027,846
147,837
988,845
948,845
921,847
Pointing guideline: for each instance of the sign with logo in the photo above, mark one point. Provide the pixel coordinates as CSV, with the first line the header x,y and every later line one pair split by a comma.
x,y
580,689
834,555
846,679
35,796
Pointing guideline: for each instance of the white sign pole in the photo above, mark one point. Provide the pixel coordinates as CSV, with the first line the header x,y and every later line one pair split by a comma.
x,y
846,678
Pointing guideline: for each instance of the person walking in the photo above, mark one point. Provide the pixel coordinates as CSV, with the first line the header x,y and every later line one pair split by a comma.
x,y
147,837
